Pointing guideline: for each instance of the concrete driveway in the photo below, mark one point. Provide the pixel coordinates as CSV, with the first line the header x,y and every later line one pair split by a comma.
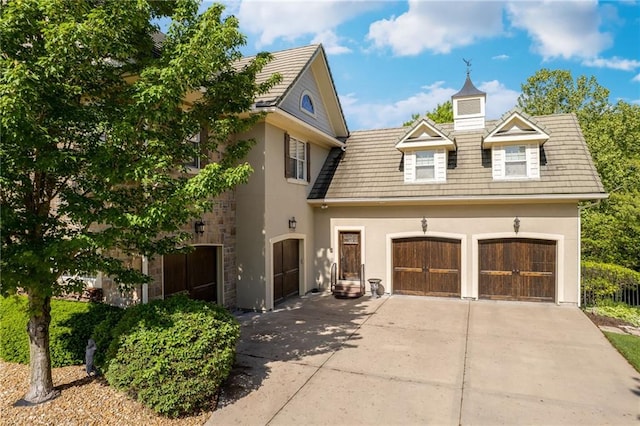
x,y
415,360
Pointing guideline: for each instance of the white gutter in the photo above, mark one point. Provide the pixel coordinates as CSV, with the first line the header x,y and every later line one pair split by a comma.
x,y
450,199
281,115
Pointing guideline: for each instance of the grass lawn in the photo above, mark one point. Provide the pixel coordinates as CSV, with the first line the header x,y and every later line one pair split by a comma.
x,y
628,346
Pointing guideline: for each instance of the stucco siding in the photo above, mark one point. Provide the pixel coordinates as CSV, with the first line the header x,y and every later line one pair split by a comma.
x,y
467,223
250,217
291,103
264,207
287,198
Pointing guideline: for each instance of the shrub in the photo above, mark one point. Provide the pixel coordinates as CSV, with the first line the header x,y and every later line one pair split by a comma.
x,y
172,355
618,310
601,281
72,324
14,341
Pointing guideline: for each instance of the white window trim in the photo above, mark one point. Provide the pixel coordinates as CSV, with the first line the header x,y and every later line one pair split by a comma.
x,y
313,103
498,162
301,180
439,165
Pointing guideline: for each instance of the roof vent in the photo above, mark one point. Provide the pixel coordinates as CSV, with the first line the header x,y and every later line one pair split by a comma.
x,y
468,106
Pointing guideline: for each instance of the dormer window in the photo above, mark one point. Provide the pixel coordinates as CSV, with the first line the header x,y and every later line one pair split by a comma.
x,y
429,166
515,147
425,165
516,162
306,103
425,147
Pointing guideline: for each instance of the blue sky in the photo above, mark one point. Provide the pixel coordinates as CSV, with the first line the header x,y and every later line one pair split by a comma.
x,y
390,59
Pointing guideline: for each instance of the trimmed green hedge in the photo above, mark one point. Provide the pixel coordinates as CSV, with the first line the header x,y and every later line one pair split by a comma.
x,y
72,324
605,281
172,355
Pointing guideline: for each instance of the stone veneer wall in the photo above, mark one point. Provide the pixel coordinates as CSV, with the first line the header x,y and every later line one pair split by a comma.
x,y
220,229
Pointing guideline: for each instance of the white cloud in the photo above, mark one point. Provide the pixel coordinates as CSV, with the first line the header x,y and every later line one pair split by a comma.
x,y
331,43
636,78
614,63
500,99
437,26
561,28
271,20
502,57
375,115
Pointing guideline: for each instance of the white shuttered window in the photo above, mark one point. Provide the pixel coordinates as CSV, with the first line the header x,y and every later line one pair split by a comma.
x,y
425,166
516,162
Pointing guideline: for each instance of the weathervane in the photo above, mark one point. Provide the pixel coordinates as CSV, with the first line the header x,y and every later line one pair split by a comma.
x,y
468,62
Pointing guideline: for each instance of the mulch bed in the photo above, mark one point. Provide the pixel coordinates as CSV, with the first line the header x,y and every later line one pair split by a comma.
x,y
83,401
601,320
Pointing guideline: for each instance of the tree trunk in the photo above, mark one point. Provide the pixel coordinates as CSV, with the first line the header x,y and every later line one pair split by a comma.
x,y
40,381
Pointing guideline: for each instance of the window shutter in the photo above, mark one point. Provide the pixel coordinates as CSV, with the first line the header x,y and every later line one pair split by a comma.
x,y
440,164
287,161
204,138
409,167
308,159
497,162
533,161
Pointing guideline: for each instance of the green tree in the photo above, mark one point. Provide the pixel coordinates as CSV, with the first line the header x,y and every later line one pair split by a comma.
x,y
556,91
611,229
95,121
442,113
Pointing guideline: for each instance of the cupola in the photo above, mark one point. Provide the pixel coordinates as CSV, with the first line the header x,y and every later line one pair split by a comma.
x,y
468,107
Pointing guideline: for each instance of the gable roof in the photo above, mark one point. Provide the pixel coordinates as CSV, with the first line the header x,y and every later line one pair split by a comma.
x,y
515,126
370,170
425,133
291,65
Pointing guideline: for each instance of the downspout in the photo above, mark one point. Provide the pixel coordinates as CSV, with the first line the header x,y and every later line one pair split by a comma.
x,y
579,286
145,286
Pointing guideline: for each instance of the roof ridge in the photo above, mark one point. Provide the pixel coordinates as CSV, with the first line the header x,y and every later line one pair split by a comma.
x,y
275,52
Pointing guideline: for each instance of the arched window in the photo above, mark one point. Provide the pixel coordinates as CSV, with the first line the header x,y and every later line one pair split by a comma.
x,y
306,103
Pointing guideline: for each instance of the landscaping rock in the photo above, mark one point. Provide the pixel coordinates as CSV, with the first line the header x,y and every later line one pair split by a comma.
x,y
83,401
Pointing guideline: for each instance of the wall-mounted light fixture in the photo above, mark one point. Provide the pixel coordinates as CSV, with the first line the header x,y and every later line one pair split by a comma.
x,y
324,206
198,227
516,224
424,224
293,223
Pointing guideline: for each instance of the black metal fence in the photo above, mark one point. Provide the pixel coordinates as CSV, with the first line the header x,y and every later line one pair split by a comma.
x,y
628,295
601,283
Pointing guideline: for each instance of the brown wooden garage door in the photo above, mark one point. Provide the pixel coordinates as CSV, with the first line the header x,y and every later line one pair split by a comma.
x,y
194,273
426,266
286,269
517,269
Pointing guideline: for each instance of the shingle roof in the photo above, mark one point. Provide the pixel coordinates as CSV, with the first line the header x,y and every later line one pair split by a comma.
x,y
289,64
371,167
